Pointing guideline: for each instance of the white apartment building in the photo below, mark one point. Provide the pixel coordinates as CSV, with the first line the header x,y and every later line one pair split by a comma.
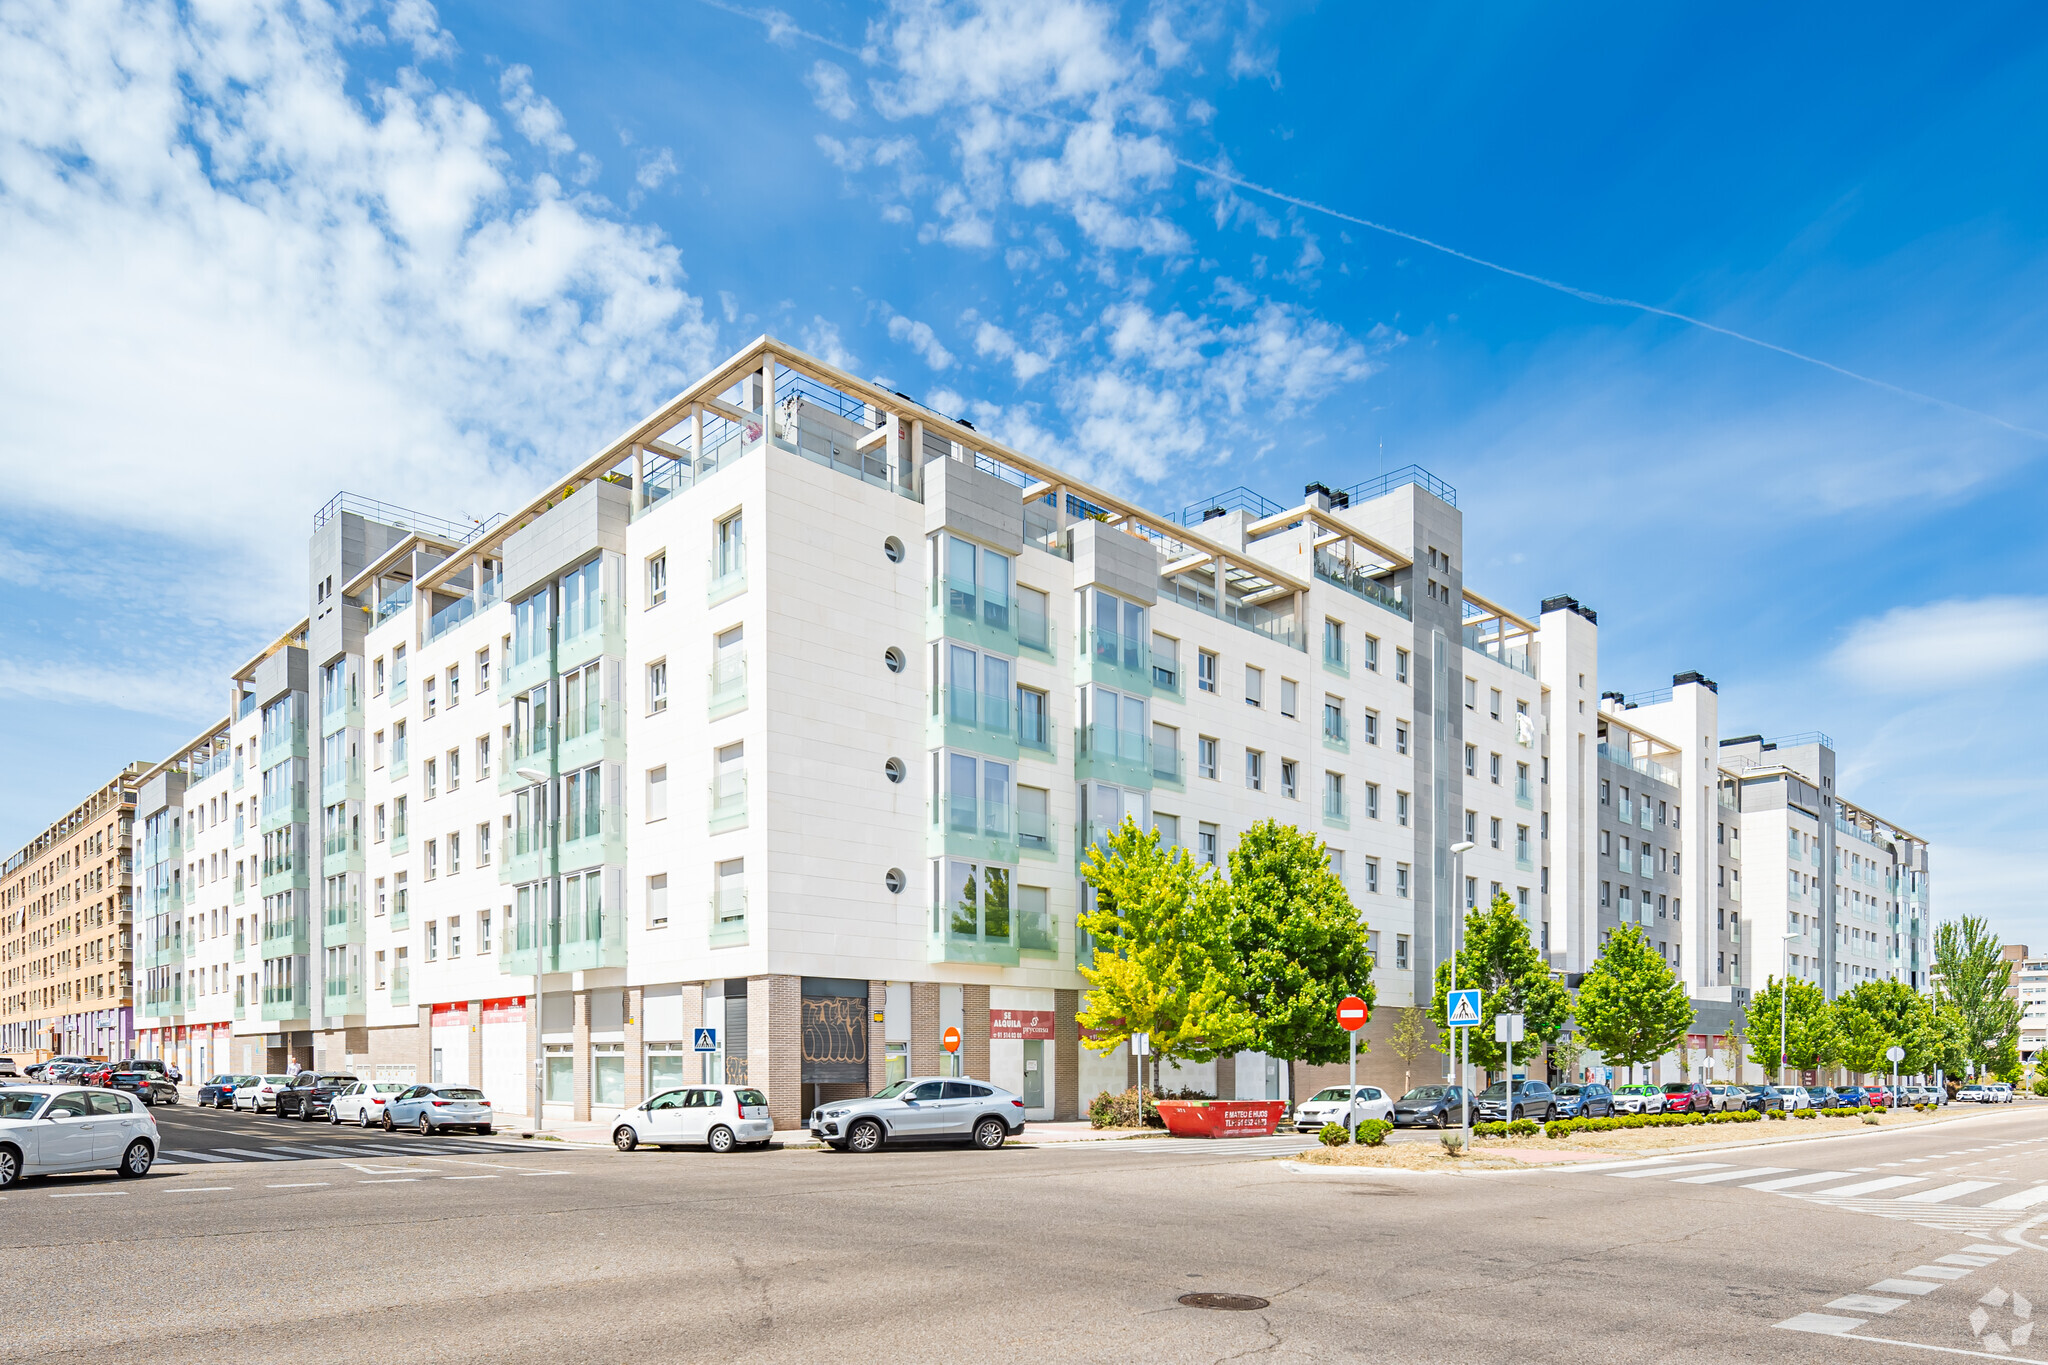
x,y
765,747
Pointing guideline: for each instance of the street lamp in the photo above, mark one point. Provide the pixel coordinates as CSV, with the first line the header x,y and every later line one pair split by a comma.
x,y
545,891
1458,852
1784,978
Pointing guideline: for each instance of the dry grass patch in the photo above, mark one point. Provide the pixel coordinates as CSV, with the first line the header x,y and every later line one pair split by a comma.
x,y
1407,1156
1700,1135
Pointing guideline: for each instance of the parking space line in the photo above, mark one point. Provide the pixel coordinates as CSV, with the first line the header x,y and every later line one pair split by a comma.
x,y
194,1189
88,1194
1821,1323
301,1185
544,1173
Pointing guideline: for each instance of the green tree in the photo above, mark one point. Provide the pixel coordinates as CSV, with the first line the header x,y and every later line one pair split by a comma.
x,y
1162,958
1564,1055
1298,944
1512,978
1949,1041
1879,1015
1971,974
1632,1007
1729,1064
1410,1039
1812,1035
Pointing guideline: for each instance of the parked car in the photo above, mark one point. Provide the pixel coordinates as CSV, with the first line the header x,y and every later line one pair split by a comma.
x,y
1824,1096
45,1129
1336,1104
1764,1098
1974,1093
260,1092
147,1086
42,1068
430,1108
1853,1097
1728,1098
219,1093
921,1108
363,1103
715,1116
1639,1099
1589,1101
8,1068
1796,1097
1533,1100
308,1094
161,1067
1433,1106
1687,1097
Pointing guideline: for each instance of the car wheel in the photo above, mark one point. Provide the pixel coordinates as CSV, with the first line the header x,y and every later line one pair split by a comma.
x,y
485,1131
137,1159
333,1117
426,1125
990,1134
719,1139
1550,1114
389,1126
305,1113
864,1136
624,1138
363,1117
10,1167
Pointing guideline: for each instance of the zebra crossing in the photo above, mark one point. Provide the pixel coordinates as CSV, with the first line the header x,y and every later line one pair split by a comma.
x,y
172,1158
1957,1205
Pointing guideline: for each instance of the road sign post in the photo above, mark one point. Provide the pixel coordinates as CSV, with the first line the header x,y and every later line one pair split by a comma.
x,y
1507,1029
1351,1016
1461,1012
1895,1054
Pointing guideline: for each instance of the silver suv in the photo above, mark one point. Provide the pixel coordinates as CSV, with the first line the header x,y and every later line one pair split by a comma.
x,y
919,1109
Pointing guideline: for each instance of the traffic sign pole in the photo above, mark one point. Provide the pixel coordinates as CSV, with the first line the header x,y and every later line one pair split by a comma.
x,y
1351,1016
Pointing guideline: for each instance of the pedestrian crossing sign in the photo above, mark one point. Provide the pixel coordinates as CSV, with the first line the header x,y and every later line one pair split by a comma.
x,y
1463,1009
706,1039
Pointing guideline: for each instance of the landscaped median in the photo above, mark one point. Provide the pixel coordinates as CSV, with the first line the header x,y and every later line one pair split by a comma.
x,y
1498,1146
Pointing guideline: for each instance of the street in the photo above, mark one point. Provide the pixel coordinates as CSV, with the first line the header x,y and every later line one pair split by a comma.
x,y
472,1249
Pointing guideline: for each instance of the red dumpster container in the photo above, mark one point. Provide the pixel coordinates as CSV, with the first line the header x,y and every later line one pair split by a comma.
x,y
1221,1118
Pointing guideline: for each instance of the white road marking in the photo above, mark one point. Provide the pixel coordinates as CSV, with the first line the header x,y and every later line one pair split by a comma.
x,y
1947,1192
196,1189
1890,1182
251,1152
1938,1272
302,1185
471,1177
1668,1170
1811,1178
88,1194
1903,1287
1957,1258
403,1180
1730,1175
1867,1303
544,1173
1980,1248
195,1156
1822,1324
2025,1199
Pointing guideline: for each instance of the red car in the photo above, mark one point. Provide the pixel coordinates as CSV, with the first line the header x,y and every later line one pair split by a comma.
x,y
1687,1097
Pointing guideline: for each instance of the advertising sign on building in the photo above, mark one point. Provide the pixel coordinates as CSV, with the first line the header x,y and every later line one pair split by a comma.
x,y
1019,1024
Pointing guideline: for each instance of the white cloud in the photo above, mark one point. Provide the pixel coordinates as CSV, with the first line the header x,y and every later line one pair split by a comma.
x,y
535,116
922,340
655,170
417,23
1946,646
991,340
831,90
821,339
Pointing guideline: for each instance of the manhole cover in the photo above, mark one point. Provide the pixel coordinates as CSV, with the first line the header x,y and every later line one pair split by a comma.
x,y
1235,1303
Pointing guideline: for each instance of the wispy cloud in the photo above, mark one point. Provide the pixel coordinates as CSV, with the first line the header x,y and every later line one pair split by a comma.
x,y
1946,646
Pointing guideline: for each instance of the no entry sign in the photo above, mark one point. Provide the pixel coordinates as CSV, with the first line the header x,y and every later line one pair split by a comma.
x,y
951,1039
1352,1013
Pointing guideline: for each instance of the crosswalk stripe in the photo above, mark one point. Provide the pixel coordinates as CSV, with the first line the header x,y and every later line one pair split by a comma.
x,y
256,1155
1730,1175
1947,1192
193,1156
1890,1182
2025,1199
1810,1178
1668,1170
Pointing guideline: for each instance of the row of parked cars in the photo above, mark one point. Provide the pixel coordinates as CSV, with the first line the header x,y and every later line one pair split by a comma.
x,y
340,1098
1444,1106
146,1078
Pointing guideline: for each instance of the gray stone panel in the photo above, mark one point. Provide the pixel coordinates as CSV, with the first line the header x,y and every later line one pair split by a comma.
x,y
1116,560
977,504
284,671
594,517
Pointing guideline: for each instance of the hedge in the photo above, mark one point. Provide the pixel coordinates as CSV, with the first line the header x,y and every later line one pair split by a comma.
x,y
1372,1132
1558,1128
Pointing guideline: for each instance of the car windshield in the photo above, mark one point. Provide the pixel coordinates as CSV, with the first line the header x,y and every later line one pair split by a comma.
x,y
459,1092
1424,1094
1567,1091
749,1097
19,1104
276,1080
1677,1088
1334,1092
336,1080
893,1089
389,1087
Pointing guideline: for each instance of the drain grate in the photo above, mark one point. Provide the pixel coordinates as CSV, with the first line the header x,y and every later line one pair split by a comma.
x,y
1234,1303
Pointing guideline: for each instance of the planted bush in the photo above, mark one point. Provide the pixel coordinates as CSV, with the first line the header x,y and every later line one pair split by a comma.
x,y
1495,1128
1805,1113
1523,1127
1120,1110
1373,1132
1333,1135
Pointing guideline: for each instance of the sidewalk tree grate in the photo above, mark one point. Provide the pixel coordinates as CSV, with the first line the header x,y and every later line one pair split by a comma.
x,y
1234,1303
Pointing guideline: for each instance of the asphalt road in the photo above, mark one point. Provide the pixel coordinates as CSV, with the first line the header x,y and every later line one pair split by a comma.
x,y
521,1252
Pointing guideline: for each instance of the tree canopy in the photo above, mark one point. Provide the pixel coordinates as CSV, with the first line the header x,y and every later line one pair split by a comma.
x,y
1971,974
1879,1015
1632,1006
1297,943
1501,961
1812,1032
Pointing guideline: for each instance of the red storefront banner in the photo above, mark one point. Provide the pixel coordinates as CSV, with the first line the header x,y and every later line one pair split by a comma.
x,y
449,1016
1020,1024
510,1010
1087,1032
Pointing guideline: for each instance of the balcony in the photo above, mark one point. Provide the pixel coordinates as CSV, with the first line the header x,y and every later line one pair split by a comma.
x,y
970,933
395,601
1038,934
1525,793
728,922
724,582
453,614
1336,657
401,984
401,842
287,938
586,739
728,803
584,847
584,940
1334,736
981,617
1034,630
283,741
1036,735
964,826
345,996
1108,754
1338,574
1169,767
336,779
284,1002
601,630
1036,838
1334,814
983,722
727,687
1278,627
1167,679
1620,757
1119,661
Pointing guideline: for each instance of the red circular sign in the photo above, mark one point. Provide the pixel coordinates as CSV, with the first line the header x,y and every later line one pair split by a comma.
x,y
952,1040
1352,1013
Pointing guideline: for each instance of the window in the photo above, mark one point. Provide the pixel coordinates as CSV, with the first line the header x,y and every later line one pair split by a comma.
x,y
1493,702
657,900
657,793
1604,792
1401,950
657,686
433,769
1287,778
454,854
1400,665
1401,809
1400,736
1605,850
377,823
1333,720
454,769
657,579
977,582
377,902
1205,757
1372,727
1493,832
398,754
1034,818
1369,653
455,936
483,756
427,691
1165,661
1401,880
483,929
483,844
433,859
1287,697
377,749
1471,760
729,553
1333,642
1372,874
1493,769
1169,830
377,677
977,795
483,669
1254,686
379,978
1207,838
1471,694
1333,796
1205,670
433,941
1254,769
1372,800
454,685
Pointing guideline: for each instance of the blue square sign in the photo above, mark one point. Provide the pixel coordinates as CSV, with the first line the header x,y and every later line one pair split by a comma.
x,y
1461,1009
707,1039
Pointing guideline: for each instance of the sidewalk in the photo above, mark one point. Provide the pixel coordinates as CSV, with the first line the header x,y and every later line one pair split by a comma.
x,y
1035,1134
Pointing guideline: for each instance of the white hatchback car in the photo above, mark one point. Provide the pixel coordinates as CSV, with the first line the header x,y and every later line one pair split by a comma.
x,y
720,1117
260,1093
1336,1104
45,1129
363,1103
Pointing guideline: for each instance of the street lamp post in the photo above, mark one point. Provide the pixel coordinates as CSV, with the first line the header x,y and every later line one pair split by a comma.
x,y
1458,852
543,892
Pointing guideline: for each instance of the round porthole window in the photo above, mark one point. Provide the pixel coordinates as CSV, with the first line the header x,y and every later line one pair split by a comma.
x,y
894,767
893,548
893,657
894,881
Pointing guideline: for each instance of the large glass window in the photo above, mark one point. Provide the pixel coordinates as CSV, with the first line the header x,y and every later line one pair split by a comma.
x,y
1120,631
1034,820
580,699
977,582
977,796
608,1074
561,1073
978,689
530,620
582,599
1117,725
581,808
973,901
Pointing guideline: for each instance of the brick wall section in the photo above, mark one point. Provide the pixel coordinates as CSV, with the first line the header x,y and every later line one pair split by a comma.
x,y
476,1043
775,1008
693,1019
974,1030
878,1039
925,1052
580,1066
1066,1055
636,1048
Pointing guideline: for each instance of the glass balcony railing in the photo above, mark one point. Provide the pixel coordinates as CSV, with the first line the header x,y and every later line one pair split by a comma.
x,y
1337,657
1112,754
728,912
396,601
1334,736
977,615
1336,573
1034,629
1037,932
728,802
1108,649
1166,675
1525,793
1169,765
725,580
728,685
401,985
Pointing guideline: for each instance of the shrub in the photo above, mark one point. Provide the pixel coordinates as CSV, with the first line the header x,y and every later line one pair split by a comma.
x,y
1558,1128
1373,1132
1870,1118
1121,1110
1454,1142
1805,1113
1774,1113
1493,1129
1333,1135
1523,1127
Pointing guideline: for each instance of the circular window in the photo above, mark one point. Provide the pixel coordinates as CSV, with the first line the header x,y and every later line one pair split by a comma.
x,y
893,548
894,767
894,881
893,657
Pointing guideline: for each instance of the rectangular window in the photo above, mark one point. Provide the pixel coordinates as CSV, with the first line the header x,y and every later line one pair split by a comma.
x,y
377,823
1372,727
1333,796
1400,736
454,854
1169,830
1401,809
657,793
1401,950
1287,697
1400,665
427,691
377,677
1493,832
1254,686
1401,880
433,770
729,553
454,685
483,756
1471,760
1165,660
1471,694
1205,670
455,936
483,844
1208,837
1372,800
1333,643
1333,720
1372,874
1205,757
1034,818
433,941
1254,769
1493,768
657,686
483,929
433,859
657,579
657,900
454,769
483,669
1493,702
1287,779
1369,653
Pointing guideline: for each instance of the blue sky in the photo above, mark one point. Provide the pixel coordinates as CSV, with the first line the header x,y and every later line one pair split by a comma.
x,y
257,253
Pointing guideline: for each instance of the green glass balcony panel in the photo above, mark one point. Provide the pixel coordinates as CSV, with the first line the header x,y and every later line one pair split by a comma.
x,y
1337,741
1336,819
605,634
1119,661
948,948
595,740
1111,755
962,612
1038,934
728,804
1169,768
727,687
979,722
279,1005
401,919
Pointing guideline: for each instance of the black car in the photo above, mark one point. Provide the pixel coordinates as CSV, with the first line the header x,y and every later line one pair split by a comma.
x,y
1824,1096
219,1092
1533,1100
1764,1098
1589,1101
309,1094
1433,1106
150,1087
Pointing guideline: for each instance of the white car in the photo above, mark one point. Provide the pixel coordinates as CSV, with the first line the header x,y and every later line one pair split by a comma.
x,y
720,1117
363,1103
1638,1099
1336,1104
2001,1093
260,1093
45,1129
